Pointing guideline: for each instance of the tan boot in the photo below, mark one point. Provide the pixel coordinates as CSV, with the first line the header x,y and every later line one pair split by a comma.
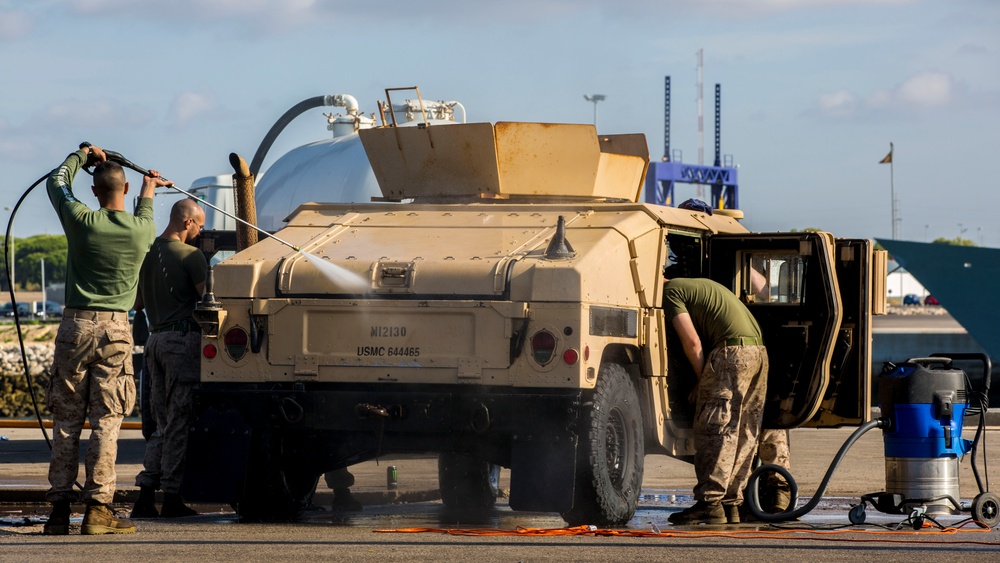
x,y
99,519
701,513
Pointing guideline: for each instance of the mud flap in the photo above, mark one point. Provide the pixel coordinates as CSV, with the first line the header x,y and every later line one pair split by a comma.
x,y
216,461
543,474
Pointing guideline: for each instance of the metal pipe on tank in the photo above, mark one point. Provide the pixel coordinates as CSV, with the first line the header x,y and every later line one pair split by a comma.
x,y
246,207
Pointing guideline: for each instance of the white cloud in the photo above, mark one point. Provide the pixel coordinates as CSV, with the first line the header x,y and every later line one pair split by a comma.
x,y
920,91
189,105
92,114
15,24
838,104
927,90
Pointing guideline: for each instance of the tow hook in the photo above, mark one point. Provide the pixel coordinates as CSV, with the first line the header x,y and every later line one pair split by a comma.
x,y
291,411
364,410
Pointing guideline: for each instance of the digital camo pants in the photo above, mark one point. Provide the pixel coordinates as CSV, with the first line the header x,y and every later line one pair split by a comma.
x,y
172,365
92,380
731,393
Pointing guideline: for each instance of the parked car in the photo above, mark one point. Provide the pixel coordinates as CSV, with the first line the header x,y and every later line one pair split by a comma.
x,y
911,299
931,300
49,309
23,309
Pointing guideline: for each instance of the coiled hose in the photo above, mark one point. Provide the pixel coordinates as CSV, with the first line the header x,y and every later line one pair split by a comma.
x,y
753,500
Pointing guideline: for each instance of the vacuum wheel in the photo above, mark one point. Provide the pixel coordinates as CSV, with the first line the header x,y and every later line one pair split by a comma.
x,y
857,514
986,510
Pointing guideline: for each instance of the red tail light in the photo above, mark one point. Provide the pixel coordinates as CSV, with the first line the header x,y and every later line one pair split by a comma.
x,y
571,356
543,346
210,351
236,342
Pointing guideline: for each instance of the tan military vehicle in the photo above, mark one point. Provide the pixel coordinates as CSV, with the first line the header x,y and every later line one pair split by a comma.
x,y
506,313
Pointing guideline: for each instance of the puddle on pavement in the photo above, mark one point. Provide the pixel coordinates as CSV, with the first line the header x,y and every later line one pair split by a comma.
x,y
655,506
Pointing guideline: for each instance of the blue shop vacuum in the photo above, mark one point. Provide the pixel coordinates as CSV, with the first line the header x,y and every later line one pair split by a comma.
x,y
924,403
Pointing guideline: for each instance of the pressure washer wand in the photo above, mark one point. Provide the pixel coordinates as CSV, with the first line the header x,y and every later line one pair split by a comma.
x,y
227,214
117,157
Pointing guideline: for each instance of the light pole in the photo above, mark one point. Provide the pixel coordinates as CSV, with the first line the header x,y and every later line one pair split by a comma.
x,y
595,98
13,255
45,298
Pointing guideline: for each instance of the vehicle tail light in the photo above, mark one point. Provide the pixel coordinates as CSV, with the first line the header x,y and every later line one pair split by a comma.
x,y
236,342
210,351
571,356
543,346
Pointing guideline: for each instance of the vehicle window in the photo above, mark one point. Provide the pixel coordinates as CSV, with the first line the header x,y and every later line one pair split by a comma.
x,y
774,278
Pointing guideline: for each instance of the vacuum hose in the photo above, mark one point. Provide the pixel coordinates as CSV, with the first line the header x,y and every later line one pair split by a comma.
x,y
287,117
753,500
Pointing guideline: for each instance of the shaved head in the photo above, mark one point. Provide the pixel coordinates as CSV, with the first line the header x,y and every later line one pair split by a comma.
x,y
185,209
109,178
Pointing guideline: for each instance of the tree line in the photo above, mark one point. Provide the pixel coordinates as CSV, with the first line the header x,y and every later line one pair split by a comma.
x,y
28,255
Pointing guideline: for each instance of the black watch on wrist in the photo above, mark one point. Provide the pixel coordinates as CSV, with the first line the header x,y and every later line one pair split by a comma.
x,y
85,145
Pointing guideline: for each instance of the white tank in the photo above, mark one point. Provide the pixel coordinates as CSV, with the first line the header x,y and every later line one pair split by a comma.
x,y
217,190
334,170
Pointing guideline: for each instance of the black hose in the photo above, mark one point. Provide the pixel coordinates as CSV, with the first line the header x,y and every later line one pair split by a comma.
x,y
13,301
753,501
279,126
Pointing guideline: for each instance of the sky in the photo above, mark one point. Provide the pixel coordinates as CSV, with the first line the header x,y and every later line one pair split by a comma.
x,y
813,91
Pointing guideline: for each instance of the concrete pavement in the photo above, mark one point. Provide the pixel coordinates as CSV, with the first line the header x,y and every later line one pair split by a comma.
x,y
24,460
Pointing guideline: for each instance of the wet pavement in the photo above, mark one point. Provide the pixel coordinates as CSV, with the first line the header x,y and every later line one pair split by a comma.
x,y
411,523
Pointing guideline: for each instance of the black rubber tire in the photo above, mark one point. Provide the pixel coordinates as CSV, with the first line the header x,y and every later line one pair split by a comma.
x,y
610,455
467,483
857,514
986,509
276,488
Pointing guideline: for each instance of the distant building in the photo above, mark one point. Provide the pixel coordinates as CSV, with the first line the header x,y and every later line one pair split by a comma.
x,y
899,282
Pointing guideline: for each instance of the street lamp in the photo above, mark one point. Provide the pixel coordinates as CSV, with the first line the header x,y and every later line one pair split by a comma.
x,y
595,98
13,255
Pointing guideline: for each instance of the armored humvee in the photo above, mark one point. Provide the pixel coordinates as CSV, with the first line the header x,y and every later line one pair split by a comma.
x,y
506,313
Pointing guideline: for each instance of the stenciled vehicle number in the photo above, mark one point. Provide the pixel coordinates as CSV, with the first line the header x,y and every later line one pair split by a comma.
x,y
388,331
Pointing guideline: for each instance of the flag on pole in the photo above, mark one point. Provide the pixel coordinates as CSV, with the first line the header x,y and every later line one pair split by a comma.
x,y
888,157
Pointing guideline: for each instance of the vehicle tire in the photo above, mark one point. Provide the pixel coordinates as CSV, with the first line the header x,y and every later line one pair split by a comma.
x,y
986,509
467,483
610,454
276,488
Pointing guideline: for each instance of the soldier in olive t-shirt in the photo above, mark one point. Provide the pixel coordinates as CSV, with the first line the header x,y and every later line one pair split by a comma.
x,y
171,282
92,375
723,343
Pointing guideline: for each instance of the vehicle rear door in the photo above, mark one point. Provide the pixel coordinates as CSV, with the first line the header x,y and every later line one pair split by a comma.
x,y
789,283
848,396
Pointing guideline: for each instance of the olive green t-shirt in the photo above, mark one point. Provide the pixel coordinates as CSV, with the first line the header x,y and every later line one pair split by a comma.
x,y
168,279
717,314
105,247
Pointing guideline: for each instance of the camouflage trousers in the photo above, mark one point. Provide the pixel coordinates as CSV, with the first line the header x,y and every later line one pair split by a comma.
x,y
92,380
772,447
172,365
730,404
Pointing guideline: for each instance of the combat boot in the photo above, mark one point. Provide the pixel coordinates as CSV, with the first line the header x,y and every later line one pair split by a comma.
x,y
58,522
733,511
344,501
782,497
701,513
145,506
174,507
99,519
